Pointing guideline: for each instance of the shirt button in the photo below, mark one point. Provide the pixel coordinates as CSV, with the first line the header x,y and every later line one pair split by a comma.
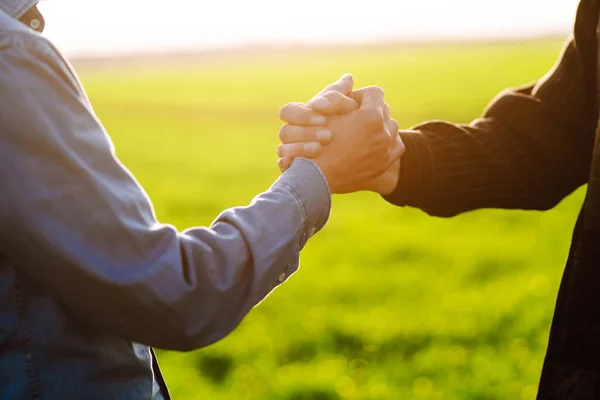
x,y
35,24
281,277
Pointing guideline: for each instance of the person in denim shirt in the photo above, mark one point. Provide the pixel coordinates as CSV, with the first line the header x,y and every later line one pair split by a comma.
x,y
89,279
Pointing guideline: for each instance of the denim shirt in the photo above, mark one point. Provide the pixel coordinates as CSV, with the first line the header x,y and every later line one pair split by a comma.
x,y
89,279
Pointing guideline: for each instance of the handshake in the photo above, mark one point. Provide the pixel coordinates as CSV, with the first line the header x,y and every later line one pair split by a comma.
x,y
348,133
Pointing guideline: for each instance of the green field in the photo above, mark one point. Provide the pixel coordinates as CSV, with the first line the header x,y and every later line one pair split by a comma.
x,y
388,303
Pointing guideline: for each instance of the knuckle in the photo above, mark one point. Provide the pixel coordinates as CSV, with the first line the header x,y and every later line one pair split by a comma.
x,y
376,91
333,96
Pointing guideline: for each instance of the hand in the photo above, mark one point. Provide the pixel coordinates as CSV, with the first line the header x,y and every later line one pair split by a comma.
x,y
359,159
300,139
333,100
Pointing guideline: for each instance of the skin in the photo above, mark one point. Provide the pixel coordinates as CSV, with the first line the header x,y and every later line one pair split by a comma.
x,y
334,120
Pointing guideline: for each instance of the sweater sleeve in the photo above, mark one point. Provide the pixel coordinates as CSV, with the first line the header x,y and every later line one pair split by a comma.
x,y
531,148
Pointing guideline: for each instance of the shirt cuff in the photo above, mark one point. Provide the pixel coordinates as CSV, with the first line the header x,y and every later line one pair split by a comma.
x,y
417,171
305,181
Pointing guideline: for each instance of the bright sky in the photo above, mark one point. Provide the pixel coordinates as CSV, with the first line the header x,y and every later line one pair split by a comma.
x,y
108,26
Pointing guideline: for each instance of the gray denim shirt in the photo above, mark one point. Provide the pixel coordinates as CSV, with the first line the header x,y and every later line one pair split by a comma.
x,y
86,270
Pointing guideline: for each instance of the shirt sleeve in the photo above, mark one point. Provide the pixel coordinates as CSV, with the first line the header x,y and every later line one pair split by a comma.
x,y
532,147
76,222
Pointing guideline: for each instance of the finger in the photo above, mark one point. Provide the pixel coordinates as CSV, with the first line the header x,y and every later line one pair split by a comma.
x,y
386,112
298,114
308,150
344,85
285,163
296,133
370,98
394,127
333,103
372,107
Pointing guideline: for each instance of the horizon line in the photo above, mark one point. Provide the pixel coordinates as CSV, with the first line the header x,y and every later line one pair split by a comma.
x,y
249,48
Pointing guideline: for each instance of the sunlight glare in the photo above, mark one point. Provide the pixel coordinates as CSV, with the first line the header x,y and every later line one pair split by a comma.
x,y
110,26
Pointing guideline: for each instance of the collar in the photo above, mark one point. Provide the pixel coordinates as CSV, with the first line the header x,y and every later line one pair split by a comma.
x,y
16,8
33,19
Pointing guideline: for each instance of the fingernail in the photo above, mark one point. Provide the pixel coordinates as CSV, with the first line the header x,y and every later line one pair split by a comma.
x,y
347,76
324,135
320,104
318,120
312,148
280,150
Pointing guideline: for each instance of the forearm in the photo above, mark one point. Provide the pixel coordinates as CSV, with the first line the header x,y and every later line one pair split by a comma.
x,y
530,150
450,169
186,290
149,283
75,222
252,250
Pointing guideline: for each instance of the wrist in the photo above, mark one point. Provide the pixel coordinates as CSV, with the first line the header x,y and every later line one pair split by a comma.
x,y
305,180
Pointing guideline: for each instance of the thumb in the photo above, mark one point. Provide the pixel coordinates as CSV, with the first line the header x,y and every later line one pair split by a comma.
x,y
344,85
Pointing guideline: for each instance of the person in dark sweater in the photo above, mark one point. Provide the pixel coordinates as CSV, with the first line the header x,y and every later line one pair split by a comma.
x,y
533,147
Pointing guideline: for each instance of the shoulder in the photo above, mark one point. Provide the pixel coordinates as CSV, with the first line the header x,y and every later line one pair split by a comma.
x,y
35,79
18,40
12,31
28,59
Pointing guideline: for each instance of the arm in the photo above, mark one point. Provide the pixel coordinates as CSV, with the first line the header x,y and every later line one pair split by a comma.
x,y
74,220
532,148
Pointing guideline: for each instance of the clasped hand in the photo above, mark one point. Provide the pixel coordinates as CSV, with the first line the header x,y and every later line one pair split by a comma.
x,y
348,134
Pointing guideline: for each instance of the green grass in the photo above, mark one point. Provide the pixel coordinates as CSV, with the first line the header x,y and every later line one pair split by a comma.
x,y
388,303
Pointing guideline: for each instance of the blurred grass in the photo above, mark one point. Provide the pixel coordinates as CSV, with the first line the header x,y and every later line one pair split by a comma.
x,y
389,303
